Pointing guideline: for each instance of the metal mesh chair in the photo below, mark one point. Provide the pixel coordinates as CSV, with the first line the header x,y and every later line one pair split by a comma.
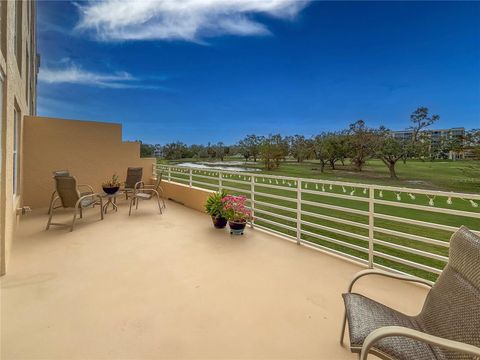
x,y
134,175
59,173
147,192
69,196
448,327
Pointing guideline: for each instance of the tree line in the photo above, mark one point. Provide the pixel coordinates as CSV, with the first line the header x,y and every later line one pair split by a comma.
x,y
357,144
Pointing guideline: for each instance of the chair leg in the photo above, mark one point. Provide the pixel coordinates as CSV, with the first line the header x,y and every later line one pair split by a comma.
x,y
344,323
130,210
101,209
51,202
74,218
136,204
81,213
159,206
49,218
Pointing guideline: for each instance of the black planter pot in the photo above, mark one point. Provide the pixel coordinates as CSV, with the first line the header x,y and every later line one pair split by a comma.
x,y
219,222
237,228
111,190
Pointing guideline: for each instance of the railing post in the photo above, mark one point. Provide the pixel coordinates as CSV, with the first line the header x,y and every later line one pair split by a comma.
x,y
169,174
154,171
220,181
299,211
190,177
252,198
371,223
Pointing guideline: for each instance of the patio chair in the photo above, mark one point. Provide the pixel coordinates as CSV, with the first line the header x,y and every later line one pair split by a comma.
x,y
68,194
147,192
67,173
448,327
134,175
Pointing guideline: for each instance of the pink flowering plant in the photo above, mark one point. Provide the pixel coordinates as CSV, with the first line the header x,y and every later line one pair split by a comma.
x,y
235,210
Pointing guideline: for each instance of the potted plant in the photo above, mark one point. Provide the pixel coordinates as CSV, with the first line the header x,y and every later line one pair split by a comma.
x,y
112,185
214,207
236,212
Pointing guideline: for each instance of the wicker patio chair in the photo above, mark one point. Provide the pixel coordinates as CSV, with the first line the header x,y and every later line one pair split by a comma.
x,y
448,327
134,175
147,192
89,189
68,194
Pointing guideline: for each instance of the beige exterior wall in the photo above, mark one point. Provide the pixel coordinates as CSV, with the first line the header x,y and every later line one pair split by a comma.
x,y
19,91
91,151
191,197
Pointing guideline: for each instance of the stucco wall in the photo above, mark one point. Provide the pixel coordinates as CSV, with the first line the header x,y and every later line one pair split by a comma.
x,y
91,151
15,86
191,197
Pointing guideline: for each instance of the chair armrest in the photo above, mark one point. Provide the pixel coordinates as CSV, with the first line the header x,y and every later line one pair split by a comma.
x,y
86,185
387,331
79,201
363,273
139,185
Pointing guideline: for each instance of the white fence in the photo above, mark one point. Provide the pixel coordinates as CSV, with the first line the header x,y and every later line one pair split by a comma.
x,y
401,229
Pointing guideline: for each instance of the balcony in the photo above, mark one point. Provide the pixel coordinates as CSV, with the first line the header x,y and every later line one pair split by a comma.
x,y
172,286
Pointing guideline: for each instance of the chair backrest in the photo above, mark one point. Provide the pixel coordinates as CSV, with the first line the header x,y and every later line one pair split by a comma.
x,y
452,307
61,173
158,181
67,190
134,175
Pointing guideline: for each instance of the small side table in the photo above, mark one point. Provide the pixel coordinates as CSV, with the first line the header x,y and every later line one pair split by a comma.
x,y
111,200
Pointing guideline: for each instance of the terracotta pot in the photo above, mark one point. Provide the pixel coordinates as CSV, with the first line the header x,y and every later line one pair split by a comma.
x,y
237,228
219,222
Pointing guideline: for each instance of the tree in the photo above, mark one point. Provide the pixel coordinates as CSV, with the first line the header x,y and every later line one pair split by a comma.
x,y
421,120
272,150
319,149
299,147
362,143
176,150
390,150
251,146
220,151
146,150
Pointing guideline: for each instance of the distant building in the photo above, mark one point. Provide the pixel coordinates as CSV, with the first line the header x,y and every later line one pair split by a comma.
x,y
436,138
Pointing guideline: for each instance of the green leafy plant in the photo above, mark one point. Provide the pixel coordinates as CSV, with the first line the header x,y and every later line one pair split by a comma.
x,y
214,205
111,183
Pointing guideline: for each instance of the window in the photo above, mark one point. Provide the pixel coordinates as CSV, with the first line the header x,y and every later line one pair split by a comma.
x,y
16,149
18,33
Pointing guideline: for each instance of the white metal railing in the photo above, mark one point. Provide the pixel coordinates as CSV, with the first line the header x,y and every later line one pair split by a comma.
x,y
400,229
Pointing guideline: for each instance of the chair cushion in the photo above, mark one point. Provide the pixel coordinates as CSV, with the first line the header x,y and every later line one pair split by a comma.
x,y
365,315
87,202
143,195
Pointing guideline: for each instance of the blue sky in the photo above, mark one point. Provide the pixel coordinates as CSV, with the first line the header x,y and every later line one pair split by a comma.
x,y
216,70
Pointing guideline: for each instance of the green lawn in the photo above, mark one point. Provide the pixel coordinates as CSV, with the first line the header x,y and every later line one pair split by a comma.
x,y
456,176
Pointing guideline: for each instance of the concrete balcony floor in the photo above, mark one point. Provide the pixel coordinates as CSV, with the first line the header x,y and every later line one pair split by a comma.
x,y
171,286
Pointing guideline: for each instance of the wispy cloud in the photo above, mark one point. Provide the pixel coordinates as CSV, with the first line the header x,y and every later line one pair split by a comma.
x,y
73,74
189,20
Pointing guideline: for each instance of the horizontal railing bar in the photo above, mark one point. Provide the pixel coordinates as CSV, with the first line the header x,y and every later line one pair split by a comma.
x,y
205,184
331,218
411,250
235,181
422,239
416,222
335,230
277,187
275,223
335,241
333,251
236,189
334,207
205,177
407,262
280,207
264,228
276,197
182,179
338,183
340,196
287,218
389,269
428,208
